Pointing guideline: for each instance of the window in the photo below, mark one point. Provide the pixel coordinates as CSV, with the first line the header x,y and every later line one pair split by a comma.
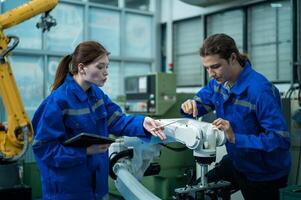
x,y
30,89
53,63
137,4
270,40
106,2
138,36
133,68
28,39
230,23
188,37
69,29
104,26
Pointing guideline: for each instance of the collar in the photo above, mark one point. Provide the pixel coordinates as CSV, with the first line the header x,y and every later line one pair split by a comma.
x,y
242,82
75,88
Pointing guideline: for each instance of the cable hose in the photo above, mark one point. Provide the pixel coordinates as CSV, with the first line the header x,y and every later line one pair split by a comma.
x,y
126,153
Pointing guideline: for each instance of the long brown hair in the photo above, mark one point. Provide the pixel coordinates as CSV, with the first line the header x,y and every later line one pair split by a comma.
x,y
85,53
222,45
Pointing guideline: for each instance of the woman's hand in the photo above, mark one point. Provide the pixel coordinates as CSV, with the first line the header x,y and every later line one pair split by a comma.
x,y
97,148
154,127
225,126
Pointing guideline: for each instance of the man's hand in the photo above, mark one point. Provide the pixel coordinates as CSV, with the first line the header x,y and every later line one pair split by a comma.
x,y
189,107
225,126
97,148
154,127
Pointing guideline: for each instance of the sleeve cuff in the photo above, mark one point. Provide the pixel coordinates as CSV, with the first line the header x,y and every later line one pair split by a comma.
x,y
141,130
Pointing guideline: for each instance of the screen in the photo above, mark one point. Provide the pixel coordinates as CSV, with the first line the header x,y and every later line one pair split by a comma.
x,y
135,85
131,85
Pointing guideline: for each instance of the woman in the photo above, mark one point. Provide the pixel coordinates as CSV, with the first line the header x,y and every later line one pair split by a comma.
x,y
75,105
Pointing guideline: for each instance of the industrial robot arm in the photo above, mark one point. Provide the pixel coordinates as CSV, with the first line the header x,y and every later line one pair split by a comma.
x,y
201,137
16,135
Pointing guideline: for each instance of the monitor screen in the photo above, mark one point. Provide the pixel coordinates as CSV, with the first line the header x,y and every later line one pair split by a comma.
x,y
134,85
131,85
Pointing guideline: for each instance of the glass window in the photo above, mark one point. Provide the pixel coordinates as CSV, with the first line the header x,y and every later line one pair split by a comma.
x,y
188,37
133,68
188,70
52,65
68,32
230,23
270,40
139,36
28,72
137,4
28,39
114,84
106,2
104,26
284,41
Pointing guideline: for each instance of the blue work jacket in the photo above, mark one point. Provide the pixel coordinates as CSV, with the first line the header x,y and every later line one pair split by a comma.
x,y
253,108
67,172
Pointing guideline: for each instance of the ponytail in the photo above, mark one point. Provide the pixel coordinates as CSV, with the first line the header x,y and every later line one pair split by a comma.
x,y
61,72
242,58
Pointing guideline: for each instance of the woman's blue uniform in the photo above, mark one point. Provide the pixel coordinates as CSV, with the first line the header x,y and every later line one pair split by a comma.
x,y
67,172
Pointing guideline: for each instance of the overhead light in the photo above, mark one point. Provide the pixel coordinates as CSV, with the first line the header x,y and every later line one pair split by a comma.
x,y
276,5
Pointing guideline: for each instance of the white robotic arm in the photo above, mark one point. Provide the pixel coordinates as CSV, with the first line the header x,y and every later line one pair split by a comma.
x,y
201,137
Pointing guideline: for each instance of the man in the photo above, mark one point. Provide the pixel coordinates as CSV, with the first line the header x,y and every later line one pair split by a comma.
x,y
248,110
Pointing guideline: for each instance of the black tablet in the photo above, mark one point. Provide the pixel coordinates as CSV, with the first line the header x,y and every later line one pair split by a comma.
x,y
87,139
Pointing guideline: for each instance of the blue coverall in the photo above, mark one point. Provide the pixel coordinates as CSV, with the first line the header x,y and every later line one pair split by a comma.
x,y
67,172
253,108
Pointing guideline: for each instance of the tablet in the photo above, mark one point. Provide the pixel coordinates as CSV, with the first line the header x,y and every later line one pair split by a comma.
x,y
87,139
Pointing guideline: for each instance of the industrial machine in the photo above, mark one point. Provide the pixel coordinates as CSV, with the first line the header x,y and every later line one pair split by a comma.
x,y
16,134
152,94
130,159
155,95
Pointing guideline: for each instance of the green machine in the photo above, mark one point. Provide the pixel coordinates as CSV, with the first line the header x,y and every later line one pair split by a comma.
x,y
155,95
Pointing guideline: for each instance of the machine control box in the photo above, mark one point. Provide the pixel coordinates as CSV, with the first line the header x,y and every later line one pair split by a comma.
x,y
152,94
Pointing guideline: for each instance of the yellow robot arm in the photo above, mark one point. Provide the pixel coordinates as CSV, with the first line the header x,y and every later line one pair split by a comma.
x,y
15,138
26,11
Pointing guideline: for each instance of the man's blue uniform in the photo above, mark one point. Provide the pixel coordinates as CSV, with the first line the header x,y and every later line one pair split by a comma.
x,y
67,172
253,108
